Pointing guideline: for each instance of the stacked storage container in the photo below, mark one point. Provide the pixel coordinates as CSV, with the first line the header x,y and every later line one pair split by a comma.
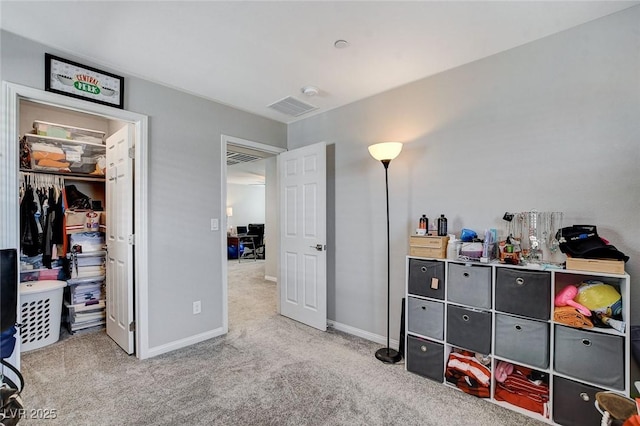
x,y
85,295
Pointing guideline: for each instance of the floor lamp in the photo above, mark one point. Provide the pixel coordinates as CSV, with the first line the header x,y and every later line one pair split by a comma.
x,y
385,152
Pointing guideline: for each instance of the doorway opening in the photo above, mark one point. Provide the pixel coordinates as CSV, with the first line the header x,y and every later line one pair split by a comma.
x,y
250,201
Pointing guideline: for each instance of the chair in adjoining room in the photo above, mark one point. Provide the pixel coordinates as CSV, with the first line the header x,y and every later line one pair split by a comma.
x,y
246,247
257,230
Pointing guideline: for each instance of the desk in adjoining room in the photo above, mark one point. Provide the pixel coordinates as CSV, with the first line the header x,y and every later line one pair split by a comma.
x,y
235,243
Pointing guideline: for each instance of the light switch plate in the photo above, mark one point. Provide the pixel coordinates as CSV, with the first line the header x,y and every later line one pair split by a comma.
x,y
214,224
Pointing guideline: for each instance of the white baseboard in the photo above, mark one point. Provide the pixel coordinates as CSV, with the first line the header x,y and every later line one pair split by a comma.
x,y
362,333
270,278
182,343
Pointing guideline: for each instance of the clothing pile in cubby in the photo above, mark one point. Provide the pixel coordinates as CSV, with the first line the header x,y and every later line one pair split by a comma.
x,y
470,372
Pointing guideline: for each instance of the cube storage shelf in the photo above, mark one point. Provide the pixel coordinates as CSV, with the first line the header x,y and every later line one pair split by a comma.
x,y
505,314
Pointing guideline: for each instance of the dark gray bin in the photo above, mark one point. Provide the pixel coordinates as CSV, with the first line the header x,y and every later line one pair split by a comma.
x,y
469,285
521,292
421,278
426,317
425,358
469,329
522,340
590,356
574,403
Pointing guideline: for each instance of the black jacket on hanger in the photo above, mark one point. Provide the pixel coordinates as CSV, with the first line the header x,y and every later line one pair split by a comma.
x,y
29,236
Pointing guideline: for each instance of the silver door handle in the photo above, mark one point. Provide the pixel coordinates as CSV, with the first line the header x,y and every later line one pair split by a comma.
x,y
319,247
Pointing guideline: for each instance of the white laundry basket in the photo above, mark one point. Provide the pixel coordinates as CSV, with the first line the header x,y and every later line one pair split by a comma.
x,y
41,311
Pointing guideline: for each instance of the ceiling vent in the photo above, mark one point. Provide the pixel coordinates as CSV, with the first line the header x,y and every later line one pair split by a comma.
x,y
291,106
239,157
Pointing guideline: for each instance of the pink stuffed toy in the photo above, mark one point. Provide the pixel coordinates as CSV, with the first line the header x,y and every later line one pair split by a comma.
x,y
566,296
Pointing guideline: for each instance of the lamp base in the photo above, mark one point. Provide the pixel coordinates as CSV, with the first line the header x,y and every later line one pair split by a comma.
x,y
388,355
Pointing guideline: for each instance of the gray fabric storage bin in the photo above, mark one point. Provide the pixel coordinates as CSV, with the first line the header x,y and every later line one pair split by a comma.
x,y
522,340
421,273
521,292
469,328
426,317
425,358
590,356
574,403
469,285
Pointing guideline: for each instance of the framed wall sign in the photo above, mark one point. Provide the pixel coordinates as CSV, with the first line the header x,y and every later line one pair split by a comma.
x,y
80,81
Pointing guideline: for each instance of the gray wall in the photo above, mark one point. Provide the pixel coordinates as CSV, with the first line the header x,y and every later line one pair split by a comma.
x,y
184,188
248,202
551,125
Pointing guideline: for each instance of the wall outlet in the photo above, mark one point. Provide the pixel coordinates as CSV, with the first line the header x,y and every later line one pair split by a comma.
x,y
197,308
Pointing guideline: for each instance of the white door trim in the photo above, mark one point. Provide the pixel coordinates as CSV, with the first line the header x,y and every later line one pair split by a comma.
x,y
9,210
249,144
224,140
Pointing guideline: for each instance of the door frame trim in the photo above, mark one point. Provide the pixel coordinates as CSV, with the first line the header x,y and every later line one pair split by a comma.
x,y
245,143
12,94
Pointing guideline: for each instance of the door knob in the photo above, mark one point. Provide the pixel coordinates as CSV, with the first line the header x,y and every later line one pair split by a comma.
x,y
319,247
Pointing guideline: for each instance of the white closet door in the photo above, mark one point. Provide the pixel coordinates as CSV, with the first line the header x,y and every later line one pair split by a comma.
x,y
119,188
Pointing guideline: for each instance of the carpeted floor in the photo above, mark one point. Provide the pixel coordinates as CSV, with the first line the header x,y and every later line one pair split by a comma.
x,y
268,370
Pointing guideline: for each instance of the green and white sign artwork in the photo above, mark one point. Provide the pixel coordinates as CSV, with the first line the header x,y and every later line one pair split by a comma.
x,y
80,81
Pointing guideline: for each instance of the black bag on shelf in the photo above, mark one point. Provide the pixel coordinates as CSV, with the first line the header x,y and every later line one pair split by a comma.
x,y
582,241
76,200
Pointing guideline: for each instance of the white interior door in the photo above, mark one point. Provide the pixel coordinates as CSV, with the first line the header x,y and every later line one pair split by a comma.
x,y
303,223
119,204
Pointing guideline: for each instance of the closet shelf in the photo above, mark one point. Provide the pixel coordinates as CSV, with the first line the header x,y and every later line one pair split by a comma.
x,y
68,175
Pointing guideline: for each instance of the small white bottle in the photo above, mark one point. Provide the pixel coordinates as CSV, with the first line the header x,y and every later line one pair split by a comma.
x,y
452,247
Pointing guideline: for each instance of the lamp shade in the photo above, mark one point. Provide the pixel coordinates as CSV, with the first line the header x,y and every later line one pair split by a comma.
x,y
385,150
229,211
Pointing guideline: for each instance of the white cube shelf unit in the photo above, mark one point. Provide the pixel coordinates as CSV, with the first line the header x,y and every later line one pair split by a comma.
x,y
504,314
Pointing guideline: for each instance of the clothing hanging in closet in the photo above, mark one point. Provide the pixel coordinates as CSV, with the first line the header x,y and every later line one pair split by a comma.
x,y
42,204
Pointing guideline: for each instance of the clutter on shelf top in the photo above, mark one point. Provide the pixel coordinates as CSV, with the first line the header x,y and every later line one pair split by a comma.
x,y
532,238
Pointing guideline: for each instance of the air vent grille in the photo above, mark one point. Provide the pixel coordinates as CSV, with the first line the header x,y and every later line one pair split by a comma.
x,y
291,106
238,157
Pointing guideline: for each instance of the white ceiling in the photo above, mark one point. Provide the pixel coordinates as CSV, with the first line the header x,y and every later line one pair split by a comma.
x,y
252,173
252,54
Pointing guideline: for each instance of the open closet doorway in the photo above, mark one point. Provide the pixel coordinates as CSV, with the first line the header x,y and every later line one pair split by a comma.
x,y
250,195
114,185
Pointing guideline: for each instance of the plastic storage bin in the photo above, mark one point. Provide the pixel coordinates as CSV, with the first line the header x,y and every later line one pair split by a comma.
x,y
63,155
41,311
65,131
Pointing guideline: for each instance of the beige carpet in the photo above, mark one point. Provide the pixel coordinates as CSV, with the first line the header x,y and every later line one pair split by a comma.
x,y
268,370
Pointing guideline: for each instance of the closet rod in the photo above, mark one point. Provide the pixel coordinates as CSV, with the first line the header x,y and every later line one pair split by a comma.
x,y
70,176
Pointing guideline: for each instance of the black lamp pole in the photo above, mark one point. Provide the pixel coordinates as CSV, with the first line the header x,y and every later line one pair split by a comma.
x,y
387,354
